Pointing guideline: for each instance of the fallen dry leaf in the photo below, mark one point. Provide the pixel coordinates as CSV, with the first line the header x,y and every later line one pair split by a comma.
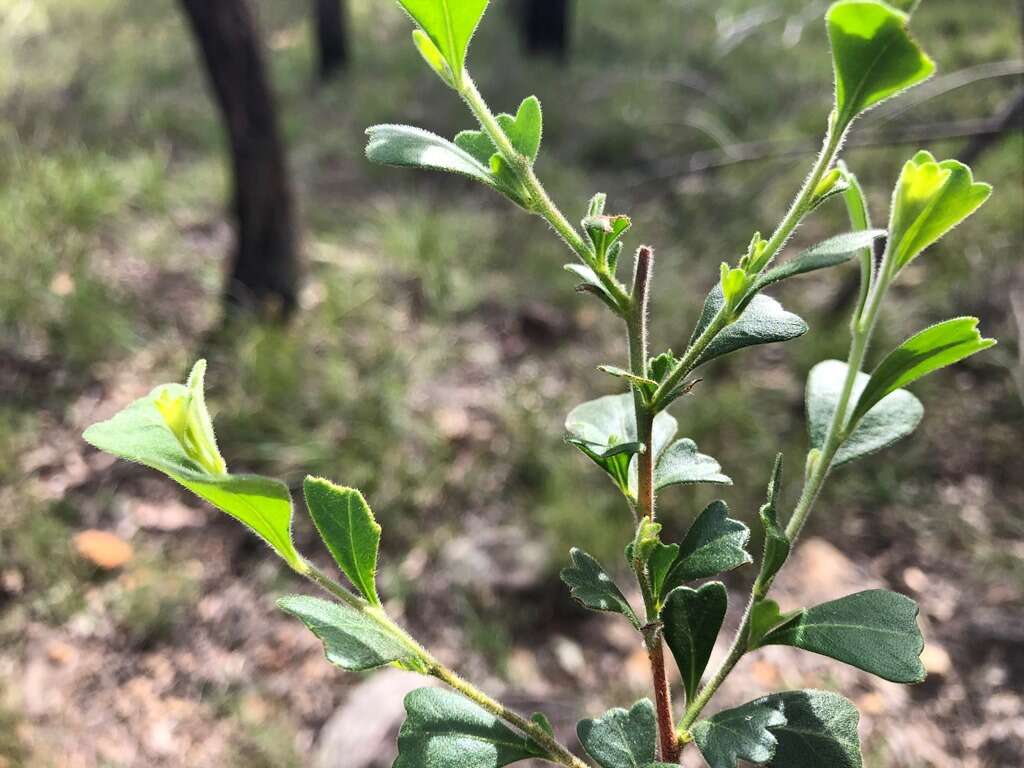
x,y
103,549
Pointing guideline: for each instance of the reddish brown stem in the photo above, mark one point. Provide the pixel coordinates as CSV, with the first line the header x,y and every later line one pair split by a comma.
x,y
669,744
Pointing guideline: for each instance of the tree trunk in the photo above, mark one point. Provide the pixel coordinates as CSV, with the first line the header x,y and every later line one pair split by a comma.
x,y
331,45
264,265
546,26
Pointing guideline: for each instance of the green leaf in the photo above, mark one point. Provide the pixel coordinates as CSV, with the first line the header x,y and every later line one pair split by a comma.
x,y
352,640
776,543
647,386
741,733
659,566
661,365
764,321
445,730
931,349
449,24
873,56
856,200
820,730
604,232
409,147
605,430
681,464
875,630
692,619
349,530
592,284
930,199
170,431
828,253
894,417
831,185
433,57
526,128
591,585
621,739
714,543
764,617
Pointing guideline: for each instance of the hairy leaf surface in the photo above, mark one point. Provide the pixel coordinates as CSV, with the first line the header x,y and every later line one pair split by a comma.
x,y
820,730
593,587
873,55
682,464
443,729
875,630
692,619
741,733
714,543
351,639
764,321
921,354
621,738
891,419
349,530
155,431
449,24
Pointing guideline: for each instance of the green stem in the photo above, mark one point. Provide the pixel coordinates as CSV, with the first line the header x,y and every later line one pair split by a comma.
x,y
541,201
689,360
556,752
801,207
704,695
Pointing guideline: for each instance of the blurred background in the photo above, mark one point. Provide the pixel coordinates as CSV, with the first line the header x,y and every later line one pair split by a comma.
x,y
185,179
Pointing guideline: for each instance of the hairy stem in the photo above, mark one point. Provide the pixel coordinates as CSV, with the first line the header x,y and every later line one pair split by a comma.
x,y
556,751
541,202
636,327
801,206
668,744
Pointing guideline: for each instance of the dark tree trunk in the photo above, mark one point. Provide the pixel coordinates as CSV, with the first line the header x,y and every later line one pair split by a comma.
x,y
264,265
331,45
546,26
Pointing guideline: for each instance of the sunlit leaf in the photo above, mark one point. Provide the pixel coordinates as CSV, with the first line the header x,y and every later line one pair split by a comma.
x,y
526,128
349,530
170,431
434,58
931,198
404,145
873,55
449,24
923,353
605,430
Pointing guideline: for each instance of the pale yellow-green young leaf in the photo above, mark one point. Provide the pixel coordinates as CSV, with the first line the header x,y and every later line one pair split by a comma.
x,y
450,25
